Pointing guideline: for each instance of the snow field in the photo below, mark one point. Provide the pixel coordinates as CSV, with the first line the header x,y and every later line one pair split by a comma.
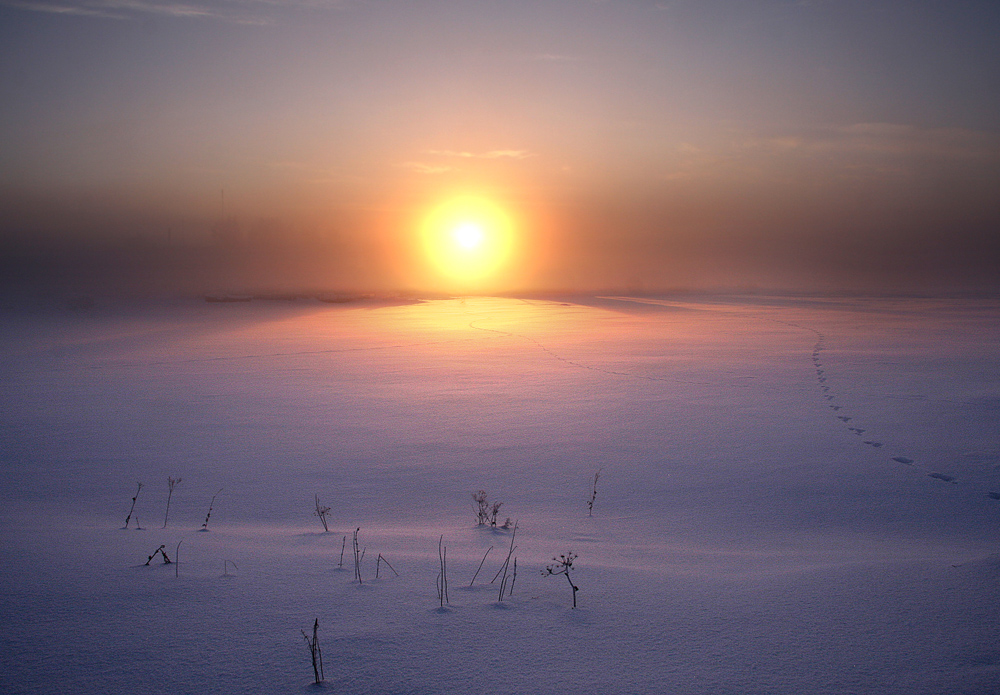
x,y
744,539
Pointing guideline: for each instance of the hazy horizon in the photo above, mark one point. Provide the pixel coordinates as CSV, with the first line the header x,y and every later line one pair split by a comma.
x,y
156,147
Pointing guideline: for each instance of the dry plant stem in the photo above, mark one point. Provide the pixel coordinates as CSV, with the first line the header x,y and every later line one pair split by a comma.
x,y
442,579
132,508
210,505
503,582
171,482
513,579
593,495
321,512
342,546
563,564
503,566
357,557
572,586
486,513
177,559
159,551
482,506
480,566
493,512
150,558
225,567
315,652
381,560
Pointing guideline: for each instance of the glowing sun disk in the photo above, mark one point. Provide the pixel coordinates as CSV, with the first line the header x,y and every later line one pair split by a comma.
x,y
467,239
468,235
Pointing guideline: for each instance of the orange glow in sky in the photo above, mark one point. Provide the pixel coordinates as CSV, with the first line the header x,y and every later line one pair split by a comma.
x,y
474,147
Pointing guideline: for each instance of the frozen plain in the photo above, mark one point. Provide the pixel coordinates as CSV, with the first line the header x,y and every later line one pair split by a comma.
x,y
746,537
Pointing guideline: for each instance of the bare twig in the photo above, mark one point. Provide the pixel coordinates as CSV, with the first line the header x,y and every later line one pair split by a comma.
x,y
210,506
486,512
159,551
593,494
321,512
442,578
315,652
563,564
482,506
503,582
480,566
381,560
171,482
357,557
132,508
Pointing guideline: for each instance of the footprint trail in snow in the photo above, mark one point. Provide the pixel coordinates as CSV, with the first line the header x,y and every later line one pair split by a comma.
x,y
821,379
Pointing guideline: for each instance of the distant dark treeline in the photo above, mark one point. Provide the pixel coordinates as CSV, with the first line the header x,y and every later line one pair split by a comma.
x,y
140,266
858,261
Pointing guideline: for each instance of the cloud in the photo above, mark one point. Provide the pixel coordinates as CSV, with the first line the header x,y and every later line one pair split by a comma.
x,y
491,154
237,11
428,169
505,154
80,9
441,168
857,151
885,139
169,9
451,153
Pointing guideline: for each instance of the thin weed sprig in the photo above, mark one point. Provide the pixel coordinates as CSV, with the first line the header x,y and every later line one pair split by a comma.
x,y
562,565
593,494
132,508
315,652
171,483
322,512
204,526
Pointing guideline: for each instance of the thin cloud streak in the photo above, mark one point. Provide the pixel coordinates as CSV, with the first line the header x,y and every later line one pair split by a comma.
x,y
53,8
237,11
884,148
426,169
491,154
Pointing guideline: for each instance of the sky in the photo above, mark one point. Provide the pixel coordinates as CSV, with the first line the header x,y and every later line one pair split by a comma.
x,y
632,145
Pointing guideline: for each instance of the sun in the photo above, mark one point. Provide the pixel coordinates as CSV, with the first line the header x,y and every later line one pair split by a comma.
x,y
468,235
468,239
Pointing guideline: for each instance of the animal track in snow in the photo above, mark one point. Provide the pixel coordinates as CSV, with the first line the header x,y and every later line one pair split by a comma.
x,y
822,379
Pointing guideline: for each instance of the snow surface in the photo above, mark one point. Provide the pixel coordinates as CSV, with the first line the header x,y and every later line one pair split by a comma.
x,y
746,537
